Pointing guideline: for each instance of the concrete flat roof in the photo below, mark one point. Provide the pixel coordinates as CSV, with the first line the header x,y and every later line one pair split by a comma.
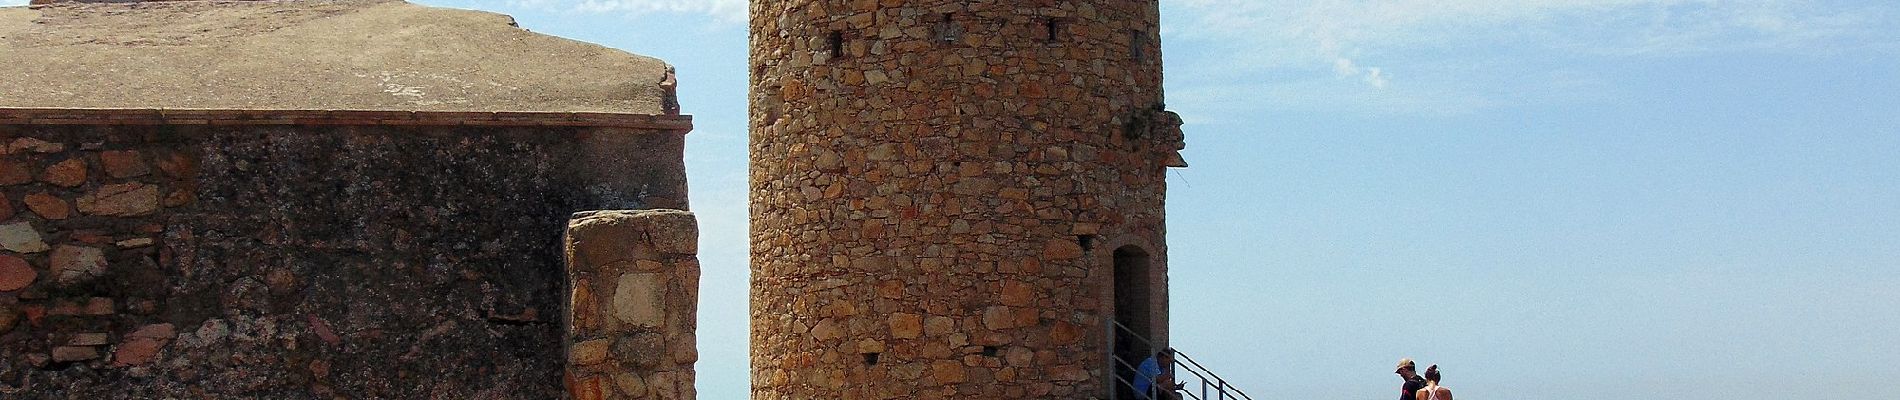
x,y
372,55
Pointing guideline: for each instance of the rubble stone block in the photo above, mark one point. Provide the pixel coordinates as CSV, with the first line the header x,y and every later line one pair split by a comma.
x,y
75,353
142,346
89,339
48,206
15,273
906,326
630,384
74,264
27,144
120,200
124,163
640,299
590,352
68,173
20,237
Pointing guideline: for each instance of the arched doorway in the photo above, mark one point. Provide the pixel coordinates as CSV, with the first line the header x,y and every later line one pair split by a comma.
x,y
1134,310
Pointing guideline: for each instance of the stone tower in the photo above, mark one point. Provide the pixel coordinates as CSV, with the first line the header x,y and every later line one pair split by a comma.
x,y
952,198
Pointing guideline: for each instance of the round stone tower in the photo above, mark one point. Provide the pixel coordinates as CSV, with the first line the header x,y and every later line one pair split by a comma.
x,y
951,199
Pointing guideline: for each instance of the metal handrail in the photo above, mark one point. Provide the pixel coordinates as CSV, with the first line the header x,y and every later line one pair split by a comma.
x,y
1210,372
1151,388
1206,376
1131,385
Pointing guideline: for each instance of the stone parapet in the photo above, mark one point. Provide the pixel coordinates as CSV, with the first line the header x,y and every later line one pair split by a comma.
x,y
632,304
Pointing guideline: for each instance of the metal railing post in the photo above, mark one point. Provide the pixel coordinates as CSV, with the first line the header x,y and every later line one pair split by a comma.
x,y
1113,375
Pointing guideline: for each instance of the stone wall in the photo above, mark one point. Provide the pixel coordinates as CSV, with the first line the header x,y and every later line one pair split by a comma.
x,y
633,304
316,255
939,189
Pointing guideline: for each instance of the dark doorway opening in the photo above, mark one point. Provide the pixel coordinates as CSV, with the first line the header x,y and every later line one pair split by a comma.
x,y
1133,311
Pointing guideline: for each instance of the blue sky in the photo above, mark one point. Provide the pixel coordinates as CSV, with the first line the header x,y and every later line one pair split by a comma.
x,y
1635,199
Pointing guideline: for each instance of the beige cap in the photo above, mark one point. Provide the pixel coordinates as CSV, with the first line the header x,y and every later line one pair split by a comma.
x,y
1406,363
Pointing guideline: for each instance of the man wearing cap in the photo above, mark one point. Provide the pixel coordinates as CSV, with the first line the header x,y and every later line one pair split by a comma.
x,y
1409,371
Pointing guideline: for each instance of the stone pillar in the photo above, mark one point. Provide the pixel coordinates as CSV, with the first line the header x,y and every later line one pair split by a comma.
x,y
634,284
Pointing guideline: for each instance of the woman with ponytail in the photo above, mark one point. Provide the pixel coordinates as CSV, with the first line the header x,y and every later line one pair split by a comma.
x,y
1432,391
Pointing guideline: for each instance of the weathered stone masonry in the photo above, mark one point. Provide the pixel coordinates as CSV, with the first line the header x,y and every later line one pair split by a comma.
x,y
153,254
633,304
940,190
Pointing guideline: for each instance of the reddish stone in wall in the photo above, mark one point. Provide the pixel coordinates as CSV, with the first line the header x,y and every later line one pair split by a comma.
x,y
124,163
141,346
68,173
15,273
48,206
588,389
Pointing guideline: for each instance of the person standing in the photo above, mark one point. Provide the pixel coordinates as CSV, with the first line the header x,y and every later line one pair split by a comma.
x,y
1432,391
1408,370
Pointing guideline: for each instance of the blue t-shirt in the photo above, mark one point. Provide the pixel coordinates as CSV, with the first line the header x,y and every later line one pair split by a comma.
x,y
1145,377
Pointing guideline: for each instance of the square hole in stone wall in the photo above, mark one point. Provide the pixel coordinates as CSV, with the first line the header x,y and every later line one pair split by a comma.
x,y
834,44
1053,29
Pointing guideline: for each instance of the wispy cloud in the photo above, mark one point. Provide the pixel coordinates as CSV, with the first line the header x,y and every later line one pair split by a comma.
x,y
1421,46
1374,76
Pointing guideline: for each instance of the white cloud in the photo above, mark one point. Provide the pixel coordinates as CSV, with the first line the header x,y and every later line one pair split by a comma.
x,y
10,3
1374,76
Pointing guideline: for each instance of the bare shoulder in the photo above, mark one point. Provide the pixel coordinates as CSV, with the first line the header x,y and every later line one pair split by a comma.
x,y
1444,393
